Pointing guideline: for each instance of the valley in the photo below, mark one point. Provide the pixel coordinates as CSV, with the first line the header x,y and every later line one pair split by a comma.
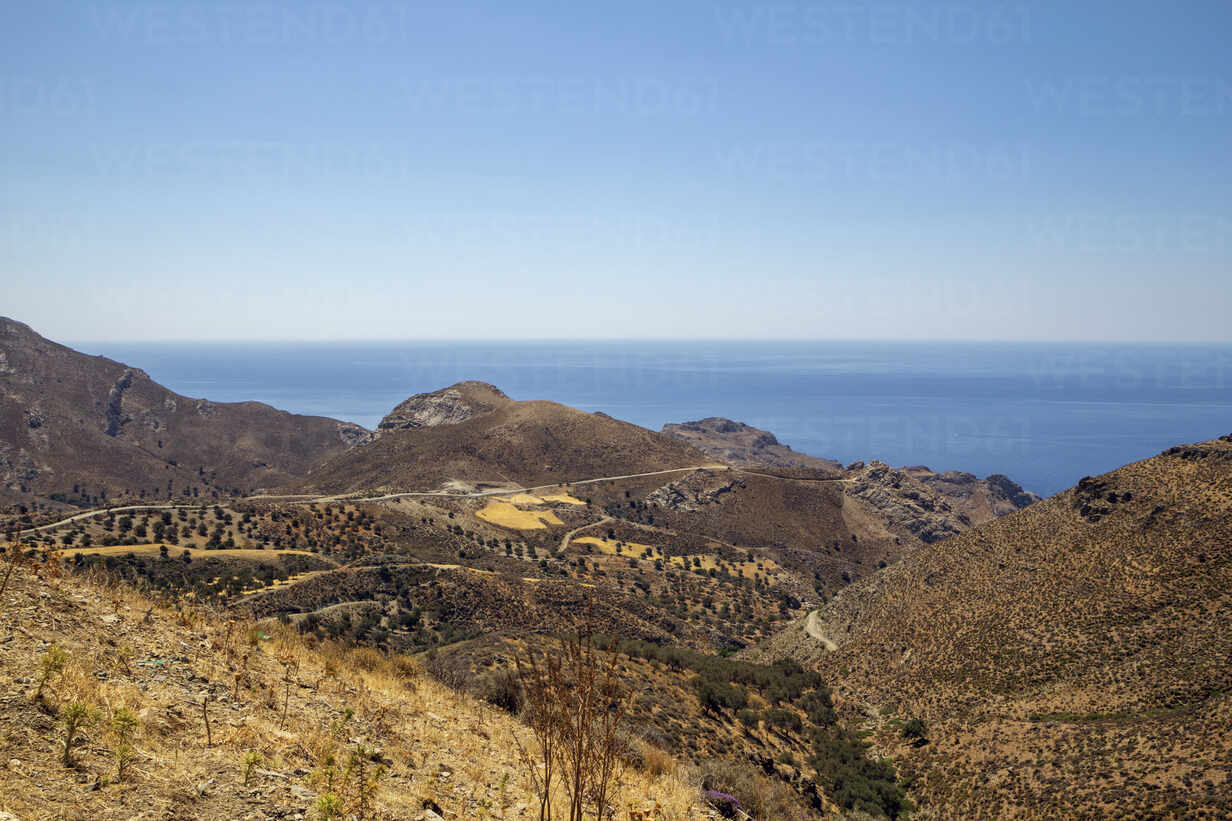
x,y
821,639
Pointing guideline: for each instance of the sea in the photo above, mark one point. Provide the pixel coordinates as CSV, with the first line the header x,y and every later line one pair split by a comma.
x,y
1044,414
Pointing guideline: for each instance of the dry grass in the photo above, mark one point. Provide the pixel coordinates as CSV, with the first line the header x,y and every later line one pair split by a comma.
x,y
563,498
506,515
1069,660
264,556
305,711
704,561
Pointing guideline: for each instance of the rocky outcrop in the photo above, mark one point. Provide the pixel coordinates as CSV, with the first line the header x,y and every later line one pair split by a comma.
x,y
115,403
353,435
681,496
448,406
906,502
980,500
928,504
1004,488
742,445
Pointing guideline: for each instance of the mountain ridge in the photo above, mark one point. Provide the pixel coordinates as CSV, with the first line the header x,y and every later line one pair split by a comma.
x,y
930,505
1078,624
92,429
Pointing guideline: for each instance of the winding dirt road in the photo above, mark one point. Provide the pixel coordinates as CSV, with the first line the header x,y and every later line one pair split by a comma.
x,y
812,626
305,498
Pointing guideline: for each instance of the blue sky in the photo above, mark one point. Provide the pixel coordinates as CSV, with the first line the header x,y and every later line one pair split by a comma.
x,y
326,170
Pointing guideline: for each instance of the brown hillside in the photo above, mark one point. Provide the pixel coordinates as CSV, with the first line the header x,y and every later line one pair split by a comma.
x,y
291,723
743,445
1071,659
94,430
474,434
929,505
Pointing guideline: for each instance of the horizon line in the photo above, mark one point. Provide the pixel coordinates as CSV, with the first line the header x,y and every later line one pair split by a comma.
x,y
626,340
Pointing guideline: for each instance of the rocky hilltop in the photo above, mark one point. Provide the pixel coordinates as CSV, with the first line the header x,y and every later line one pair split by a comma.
x,y
980,500
1069,659
742,445
933,505
86,430
448,406
471,433
927,504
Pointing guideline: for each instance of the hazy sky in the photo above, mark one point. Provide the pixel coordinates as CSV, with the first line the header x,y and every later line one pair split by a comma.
x,y
1040,170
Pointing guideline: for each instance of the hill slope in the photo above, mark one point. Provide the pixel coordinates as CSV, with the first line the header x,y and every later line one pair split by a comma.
x,y
743,445
472,433
930,505
91,430
314,720
1073,657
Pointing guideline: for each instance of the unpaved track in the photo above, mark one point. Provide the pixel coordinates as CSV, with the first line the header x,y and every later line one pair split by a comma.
x,y
564,542
305,499
812,626
507,491
100,511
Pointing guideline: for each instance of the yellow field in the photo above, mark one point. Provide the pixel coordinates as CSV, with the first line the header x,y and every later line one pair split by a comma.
x,y
608,546
563,498
178,550
707,561
502,513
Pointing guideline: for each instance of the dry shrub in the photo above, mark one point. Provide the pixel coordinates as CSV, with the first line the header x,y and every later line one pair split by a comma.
x,y
366,659
503,690
575,704
652,759
405,668
758,795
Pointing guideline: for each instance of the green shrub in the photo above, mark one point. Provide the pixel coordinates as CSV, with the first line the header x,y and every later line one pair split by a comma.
x,y
716,696
75,717
915,732
852,779
783,719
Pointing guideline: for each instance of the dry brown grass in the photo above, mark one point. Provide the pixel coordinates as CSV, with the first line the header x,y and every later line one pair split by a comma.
x,y
563,498
702,561
264,556
1070,660
433,744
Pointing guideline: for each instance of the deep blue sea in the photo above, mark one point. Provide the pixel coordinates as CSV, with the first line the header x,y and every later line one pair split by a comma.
x,y
1044,414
